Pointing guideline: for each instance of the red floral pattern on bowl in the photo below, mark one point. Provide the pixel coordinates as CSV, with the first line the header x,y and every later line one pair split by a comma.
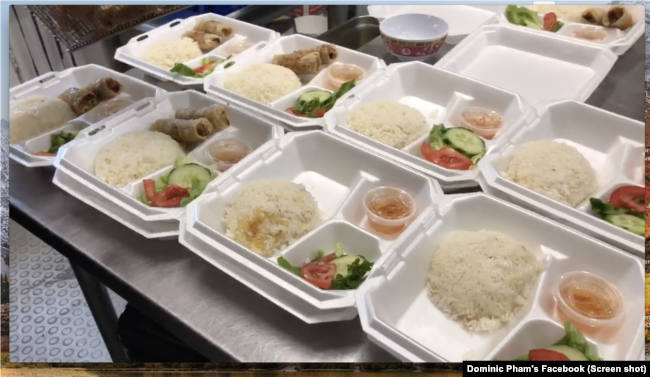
x,y
413,49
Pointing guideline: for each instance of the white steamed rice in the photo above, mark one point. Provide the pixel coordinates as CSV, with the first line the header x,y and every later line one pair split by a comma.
x,y
135,155
263,83
482,278
168,52
35,116
268,215
389,123
553,169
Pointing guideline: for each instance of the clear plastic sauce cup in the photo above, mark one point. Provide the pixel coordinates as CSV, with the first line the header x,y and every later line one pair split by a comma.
x,y
237,47
589,301
388,209
106,109
227,152
484,122
339,74
590,34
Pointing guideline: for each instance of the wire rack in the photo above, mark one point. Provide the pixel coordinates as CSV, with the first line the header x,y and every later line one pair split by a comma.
x,y
77,26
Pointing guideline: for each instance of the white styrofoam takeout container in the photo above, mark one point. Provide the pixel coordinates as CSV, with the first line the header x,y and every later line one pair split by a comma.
x,y
321,163
538,66
462,19
398,315
244,31
612,144
617,41
76,164
214,83
51,85
440,96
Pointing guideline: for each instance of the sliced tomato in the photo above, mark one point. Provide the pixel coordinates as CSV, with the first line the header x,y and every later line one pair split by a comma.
x,y
292,111
319,274
446,157
328,258
204,67
550,20
546,355
149,186
319,113
170,197
627,196
169,203
175,191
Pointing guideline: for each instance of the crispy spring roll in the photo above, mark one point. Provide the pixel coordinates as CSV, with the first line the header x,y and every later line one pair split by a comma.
x,y
183,130
105,88
618,17
593,16
215,114
206,41
301,64
217,28
328,53
80,100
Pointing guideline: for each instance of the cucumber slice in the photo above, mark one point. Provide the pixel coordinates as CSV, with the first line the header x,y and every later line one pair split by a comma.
x,y
338,250
184,175
185,160
631,223
321,95
464,141
343,262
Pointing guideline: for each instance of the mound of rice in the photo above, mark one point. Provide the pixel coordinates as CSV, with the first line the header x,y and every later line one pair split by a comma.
x,y
134,155
35,116
269,215
263,83
168,52
481,278
390,123
553,169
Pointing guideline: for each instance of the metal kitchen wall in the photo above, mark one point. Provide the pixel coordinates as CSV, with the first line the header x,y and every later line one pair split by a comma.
x,y
33,51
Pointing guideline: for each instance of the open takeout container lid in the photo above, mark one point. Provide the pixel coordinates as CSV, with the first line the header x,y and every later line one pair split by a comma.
x,y
513,57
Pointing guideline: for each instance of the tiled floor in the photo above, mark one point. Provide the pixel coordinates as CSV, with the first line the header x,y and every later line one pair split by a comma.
x,y
48,315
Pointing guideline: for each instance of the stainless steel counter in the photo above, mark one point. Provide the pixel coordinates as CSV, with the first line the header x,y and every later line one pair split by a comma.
x,y
204,307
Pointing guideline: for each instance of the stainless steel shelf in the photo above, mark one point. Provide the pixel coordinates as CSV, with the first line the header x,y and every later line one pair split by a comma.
x,y
78,26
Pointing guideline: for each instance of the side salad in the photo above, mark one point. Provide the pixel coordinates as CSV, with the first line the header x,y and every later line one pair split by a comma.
x,y
336,271
315,104
58,140
572,347
184,183
207,67
522,16
453,148
625,208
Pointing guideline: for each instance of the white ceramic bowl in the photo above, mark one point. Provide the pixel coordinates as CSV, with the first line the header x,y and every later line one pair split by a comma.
x,y
411,37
